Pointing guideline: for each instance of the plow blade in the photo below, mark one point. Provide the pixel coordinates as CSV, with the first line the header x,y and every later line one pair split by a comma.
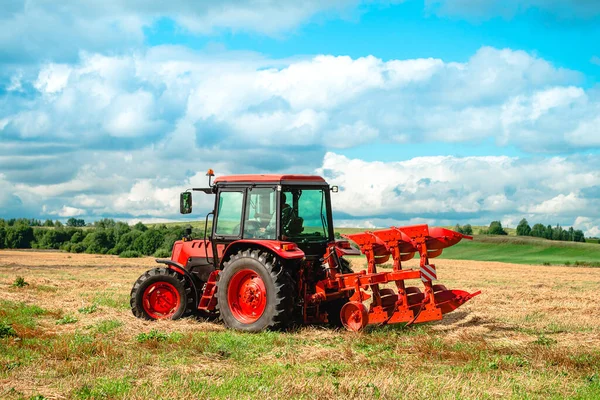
x,y
408,304
450,300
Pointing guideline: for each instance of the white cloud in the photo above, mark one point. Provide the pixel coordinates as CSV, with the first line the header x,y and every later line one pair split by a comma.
x,y
68,211
46,29
560,204
464,189
128,133
509,95
52,78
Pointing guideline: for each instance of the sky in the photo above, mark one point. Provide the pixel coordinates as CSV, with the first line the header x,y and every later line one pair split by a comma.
x,y
422,111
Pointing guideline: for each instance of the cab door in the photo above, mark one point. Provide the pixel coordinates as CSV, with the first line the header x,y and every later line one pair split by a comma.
x,y
229,216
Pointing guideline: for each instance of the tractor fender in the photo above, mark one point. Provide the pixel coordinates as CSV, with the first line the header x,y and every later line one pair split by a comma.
x,y
180,269
274,246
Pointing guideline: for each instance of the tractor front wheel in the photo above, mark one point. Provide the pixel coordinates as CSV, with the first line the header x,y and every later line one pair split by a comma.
x,y
161,293
255,292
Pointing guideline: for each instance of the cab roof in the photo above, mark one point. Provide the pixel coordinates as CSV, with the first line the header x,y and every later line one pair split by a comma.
x,y
271,178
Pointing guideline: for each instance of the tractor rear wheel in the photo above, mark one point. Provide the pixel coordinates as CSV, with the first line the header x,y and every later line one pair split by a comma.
x,y
162,293
255,292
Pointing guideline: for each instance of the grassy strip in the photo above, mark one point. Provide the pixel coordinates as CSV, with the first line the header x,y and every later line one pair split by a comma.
x,y
525,250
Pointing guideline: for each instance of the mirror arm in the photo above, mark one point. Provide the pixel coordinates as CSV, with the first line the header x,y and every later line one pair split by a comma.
x,y
209,190
205,230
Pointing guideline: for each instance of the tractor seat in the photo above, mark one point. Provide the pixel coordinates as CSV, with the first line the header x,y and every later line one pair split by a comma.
x,y
295,226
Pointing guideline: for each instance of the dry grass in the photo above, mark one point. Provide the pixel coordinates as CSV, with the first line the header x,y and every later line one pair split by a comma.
x,y
532,333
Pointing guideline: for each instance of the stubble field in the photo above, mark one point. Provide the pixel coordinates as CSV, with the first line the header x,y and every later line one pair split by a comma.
x,y
532,333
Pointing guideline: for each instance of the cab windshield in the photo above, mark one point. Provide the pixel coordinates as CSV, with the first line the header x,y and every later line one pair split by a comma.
x,y
304,213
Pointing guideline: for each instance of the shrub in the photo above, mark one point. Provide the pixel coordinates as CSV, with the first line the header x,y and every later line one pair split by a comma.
x,y
77,248
6,330
77,237
50,239
162,253
151,241
19,282
126,241
130,254
98,242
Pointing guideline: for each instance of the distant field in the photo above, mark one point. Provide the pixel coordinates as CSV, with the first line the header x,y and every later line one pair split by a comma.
x,y
524,250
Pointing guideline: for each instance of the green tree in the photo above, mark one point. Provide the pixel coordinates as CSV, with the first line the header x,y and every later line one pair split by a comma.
x,y
578,236
74,222
557,232
149,242
50,240
467,229
105,223
549,232
126,241
98,242
77,237
523,229
538,230
2,236
496,228
19,236
49,223
58,224
140,227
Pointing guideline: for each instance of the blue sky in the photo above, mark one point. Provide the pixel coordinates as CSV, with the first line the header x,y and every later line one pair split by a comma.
x,y
438,111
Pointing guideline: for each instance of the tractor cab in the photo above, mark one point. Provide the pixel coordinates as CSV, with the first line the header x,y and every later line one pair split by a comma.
x,y
290,208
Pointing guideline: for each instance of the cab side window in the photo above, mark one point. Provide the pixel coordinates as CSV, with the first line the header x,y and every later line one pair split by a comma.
x,y
229,213
260,214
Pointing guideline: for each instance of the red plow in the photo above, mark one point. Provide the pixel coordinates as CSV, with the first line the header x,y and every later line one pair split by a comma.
x,y
408,304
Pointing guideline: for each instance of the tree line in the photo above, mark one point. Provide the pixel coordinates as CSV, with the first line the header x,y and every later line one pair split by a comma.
x,y
549,232
105,236
524,229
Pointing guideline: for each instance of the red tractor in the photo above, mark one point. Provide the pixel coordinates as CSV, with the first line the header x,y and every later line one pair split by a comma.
x,y
272,260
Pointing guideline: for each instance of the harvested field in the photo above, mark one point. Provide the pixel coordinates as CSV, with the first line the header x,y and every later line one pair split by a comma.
x,y
533,333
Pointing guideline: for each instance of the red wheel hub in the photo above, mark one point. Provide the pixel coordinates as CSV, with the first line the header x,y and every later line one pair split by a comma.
x,y
161,300
247,296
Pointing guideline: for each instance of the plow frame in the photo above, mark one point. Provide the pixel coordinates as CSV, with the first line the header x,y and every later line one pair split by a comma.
x,y
408,305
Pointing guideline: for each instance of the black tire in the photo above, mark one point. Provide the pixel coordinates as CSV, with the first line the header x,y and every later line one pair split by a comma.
x,y
280,292
186,305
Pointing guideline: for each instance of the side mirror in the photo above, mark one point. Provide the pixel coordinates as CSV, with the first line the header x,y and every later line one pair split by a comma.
x,y
185,203
334,189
